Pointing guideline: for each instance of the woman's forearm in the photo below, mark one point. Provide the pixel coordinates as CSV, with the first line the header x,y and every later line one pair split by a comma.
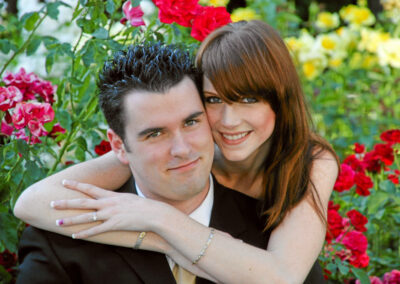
x,y
33,206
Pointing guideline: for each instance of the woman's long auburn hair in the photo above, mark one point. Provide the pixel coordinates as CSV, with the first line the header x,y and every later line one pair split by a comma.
x,y
251,59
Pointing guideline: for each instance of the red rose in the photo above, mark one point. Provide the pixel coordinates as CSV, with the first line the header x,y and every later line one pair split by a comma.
x,y
335,225
57,130
364,183
355,241
8,259
333,206
391,136
359,260
393,178
209,19
181,12
354,163
357,220
384,152
372,162
359,148
102,148
392,278
9,97
345,180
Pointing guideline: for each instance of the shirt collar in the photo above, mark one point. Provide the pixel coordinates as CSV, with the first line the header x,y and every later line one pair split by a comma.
x,y
201,214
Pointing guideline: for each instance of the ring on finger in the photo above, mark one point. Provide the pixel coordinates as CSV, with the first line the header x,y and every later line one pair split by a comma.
x,y
94,216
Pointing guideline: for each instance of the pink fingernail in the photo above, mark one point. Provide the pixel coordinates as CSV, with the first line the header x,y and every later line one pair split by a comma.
x,y
59,222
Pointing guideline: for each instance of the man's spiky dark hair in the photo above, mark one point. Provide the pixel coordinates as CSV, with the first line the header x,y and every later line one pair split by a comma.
x,y
152,67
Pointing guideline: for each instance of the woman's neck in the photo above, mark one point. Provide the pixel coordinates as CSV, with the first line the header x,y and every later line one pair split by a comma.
x,y
245,176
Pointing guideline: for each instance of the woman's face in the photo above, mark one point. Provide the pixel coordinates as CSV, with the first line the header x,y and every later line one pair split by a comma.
x,y
240,128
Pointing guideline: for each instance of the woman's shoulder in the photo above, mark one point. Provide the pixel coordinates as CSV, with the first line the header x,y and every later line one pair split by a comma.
x,y
324,171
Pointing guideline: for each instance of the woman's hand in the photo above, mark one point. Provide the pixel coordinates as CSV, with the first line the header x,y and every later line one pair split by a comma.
x,y
116,211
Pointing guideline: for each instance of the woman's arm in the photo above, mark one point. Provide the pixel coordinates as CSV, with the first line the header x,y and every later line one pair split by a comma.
x,y
293,246
292,249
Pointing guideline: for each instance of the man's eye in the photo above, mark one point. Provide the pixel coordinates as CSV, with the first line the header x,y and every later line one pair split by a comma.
x,y
248,100
191,122
213,100
154,134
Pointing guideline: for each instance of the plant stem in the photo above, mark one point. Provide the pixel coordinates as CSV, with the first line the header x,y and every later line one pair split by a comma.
x,y
22,48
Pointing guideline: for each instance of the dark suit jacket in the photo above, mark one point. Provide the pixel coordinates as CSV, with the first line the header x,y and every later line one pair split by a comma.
x,y
51,258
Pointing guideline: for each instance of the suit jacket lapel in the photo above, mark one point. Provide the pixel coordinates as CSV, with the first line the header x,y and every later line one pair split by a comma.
x,y
151,267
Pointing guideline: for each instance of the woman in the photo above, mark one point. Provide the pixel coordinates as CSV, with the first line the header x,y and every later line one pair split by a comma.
x,y
264,149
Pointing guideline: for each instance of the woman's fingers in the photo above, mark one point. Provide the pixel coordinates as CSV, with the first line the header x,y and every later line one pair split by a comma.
x,y
82,203
103,227
90,217
88,189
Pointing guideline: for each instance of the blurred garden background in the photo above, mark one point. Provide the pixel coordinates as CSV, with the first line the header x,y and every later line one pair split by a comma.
x,y
347,54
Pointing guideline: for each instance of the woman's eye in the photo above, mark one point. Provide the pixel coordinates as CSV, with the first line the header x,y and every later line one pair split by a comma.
x,y
248,100
213,100
191,122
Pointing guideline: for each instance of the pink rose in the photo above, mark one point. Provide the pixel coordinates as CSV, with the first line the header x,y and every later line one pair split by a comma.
x,y
392,277
132,14
9,97
209,19
372,279
25,112
6,128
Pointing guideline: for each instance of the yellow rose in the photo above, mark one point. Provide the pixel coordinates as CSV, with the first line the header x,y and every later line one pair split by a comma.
x,y
388,53
371,39
247,14
326,20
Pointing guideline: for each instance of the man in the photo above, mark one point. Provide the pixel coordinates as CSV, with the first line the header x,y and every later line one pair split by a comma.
x,y
150,98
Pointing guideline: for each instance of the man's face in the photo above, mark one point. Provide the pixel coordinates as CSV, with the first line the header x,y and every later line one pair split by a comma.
x,y
169,142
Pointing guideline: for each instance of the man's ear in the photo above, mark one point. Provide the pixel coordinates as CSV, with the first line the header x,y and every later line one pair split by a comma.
x,y
117,145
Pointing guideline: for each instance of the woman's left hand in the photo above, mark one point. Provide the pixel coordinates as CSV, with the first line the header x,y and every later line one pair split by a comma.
x,y
116,211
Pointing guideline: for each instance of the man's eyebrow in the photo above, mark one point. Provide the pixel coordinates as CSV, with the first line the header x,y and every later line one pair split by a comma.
x,y
194,115
149,130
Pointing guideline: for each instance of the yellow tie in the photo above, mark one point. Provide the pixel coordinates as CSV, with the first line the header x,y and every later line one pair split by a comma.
x,y
182,276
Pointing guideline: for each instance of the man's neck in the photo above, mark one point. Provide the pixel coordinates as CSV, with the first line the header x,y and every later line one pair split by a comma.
x,y
186,206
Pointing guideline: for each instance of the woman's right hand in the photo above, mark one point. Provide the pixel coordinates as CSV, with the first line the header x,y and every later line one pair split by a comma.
x,y
116,211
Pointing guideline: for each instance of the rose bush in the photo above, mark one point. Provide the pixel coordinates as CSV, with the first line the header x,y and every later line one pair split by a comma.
x,y
50,119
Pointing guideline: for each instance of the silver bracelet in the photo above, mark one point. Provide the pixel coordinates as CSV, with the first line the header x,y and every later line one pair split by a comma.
x,y
203,251
139,240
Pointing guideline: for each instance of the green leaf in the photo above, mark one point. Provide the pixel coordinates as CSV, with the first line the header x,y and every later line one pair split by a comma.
x,y
88,55
83,2
52,10
4,275
342,268
33,46
81,143
22,148
387,186
5,46
380,198
100,33
8,231
31,21
361,275
110,6
49,62
75,81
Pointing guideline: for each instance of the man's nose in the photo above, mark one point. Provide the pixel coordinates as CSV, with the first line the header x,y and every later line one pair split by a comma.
x,y
180,146
230,117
